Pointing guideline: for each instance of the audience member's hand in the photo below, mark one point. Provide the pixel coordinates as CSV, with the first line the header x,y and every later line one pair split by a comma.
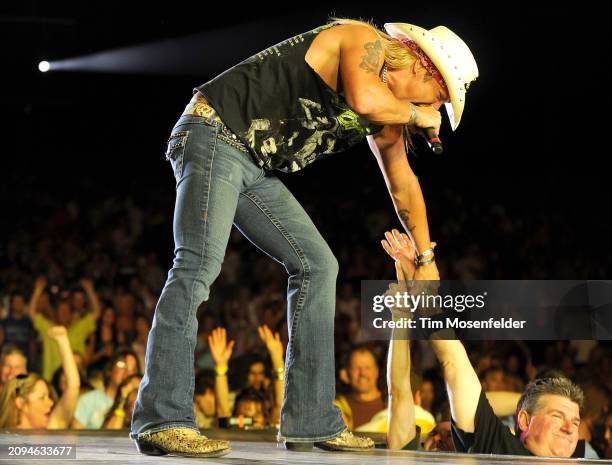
x,y
220,349
40,284
272,341
130,386
87,284
399,247
57,332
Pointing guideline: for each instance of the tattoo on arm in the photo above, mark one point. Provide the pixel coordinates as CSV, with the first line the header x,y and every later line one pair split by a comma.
x,y
404,215
371,61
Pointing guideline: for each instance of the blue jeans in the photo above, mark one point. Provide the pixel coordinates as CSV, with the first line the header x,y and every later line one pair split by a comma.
x,y
218,185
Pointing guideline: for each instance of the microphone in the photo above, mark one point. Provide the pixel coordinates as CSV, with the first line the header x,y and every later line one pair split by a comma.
x,y
433,140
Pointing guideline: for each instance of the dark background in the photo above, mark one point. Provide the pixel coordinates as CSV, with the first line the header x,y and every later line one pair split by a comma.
x,y
525,141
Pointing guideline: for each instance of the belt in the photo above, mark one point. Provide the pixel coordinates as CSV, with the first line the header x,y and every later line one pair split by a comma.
x,y
199,106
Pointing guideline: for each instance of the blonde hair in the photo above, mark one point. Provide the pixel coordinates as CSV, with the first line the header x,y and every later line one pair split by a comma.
x,y
397,55
9,415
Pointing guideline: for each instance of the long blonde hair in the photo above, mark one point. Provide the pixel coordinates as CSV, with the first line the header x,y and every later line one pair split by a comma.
x,y
9,415
397,55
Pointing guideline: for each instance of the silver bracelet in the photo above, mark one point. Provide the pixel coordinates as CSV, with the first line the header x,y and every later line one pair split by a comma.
x,y
425,262
426,253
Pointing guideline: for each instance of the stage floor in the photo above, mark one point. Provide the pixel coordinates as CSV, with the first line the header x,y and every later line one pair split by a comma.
x,y
114,447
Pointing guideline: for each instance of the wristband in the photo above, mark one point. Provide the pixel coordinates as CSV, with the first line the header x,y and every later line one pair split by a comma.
x,y
221,370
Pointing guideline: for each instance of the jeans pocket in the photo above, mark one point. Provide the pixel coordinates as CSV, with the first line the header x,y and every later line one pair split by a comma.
x,y
175,152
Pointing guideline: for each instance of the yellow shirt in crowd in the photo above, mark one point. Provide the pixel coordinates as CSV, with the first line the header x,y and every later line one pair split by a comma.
x,y
78,332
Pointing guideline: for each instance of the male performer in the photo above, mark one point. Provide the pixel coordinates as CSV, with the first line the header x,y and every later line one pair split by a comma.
x,y
303,99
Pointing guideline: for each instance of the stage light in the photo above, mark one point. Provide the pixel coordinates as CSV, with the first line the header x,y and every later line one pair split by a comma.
x,y
44,66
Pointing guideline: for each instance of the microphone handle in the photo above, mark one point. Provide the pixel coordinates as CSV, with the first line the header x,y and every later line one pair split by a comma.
x,y
435,144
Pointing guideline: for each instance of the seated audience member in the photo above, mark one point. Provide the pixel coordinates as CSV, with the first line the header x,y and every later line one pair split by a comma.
x,y
250,403
93,406
547,414
103,340
440,439
272,393
26,400
12,363
364,399
428,394
17,328
119,416
424,420
204,400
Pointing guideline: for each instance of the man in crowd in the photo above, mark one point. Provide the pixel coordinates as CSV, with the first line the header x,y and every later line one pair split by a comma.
x,y
548,412
17,328
13,362
365,398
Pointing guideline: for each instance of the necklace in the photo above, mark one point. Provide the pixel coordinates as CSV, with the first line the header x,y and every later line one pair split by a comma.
x,y
384,73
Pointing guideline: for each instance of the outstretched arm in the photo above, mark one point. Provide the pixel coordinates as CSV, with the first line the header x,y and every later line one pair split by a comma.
x,y
405,191
63,411
275,350
39,288
402,427
221,352
88,286
462,383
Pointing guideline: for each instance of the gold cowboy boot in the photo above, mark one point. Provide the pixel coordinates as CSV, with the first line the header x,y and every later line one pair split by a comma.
x,y
347,442
181,441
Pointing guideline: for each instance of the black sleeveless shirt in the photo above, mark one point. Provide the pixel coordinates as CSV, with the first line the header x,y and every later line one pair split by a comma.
x,y
282,110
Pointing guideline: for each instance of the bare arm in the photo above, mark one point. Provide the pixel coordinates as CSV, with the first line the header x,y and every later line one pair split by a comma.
x,y
275,349
39,288
362,57
462,383
503,403
402,427
88,286
405,191
221,352
62,413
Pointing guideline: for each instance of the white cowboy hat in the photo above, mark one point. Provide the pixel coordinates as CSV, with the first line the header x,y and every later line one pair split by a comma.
x,y
451,56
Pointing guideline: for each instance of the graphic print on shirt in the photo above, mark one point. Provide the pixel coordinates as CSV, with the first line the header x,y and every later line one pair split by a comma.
x,y
301,140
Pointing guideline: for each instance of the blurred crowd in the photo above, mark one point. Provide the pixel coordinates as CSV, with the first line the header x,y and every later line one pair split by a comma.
x,y
79,284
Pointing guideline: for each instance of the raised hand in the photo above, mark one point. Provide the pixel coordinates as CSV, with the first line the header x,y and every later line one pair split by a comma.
x,y
399,247
272,342
129,387
57,332
87,284
40,284
220,349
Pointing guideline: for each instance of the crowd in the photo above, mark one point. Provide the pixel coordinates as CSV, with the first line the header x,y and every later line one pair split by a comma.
x,y
79,287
